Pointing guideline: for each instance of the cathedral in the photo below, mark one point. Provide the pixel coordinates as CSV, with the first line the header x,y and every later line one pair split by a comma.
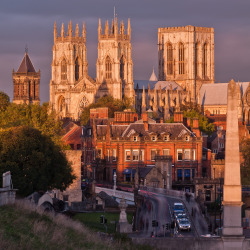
x,y
71,88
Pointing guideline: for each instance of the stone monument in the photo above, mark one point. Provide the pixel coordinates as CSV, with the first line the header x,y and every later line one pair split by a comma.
x,y
123,225
232,200
7,193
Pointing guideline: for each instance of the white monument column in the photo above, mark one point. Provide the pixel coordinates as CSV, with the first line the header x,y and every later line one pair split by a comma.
x,y
232,200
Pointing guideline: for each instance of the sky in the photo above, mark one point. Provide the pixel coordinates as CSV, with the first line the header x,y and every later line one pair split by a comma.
x,y
31,22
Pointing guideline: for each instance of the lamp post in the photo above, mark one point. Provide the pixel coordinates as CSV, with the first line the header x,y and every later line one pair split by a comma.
x,y
214,202
114,182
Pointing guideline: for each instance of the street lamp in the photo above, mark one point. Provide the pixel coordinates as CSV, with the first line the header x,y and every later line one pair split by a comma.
x,y
114,182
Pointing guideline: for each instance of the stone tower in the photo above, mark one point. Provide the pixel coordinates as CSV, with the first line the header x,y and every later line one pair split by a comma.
x,y
186,56
26,82
71,89
114,67
232,199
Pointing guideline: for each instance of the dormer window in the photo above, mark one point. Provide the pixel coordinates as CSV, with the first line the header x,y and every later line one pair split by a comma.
x,y
134,138
153,138
166,138
186,138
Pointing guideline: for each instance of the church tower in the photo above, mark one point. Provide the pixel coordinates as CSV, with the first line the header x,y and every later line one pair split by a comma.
x,y
26,82
71,89
114,67
186,56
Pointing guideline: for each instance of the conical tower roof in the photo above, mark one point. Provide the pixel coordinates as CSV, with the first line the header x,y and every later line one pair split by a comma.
x,y
153,77
26,65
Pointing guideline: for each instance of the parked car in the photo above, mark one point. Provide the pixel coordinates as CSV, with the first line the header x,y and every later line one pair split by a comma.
x,y
181,216
184,224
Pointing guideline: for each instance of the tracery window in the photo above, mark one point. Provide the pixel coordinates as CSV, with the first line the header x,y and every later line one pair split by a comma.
x,y
84,102
122,68
61,104
181,59
196,59
205,60
108,67
169,59
77,70
64,70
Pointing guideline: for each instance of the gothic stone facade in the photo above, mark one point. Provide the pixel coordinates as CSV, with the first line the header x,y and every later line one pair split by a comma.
x,y
186,56
26,83
71,88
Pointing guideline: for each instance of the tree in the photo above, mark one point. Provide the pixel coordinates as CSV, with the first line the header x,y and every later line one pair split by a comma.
x,y
111,103
4,101
245,166
193,111
32,115
35,161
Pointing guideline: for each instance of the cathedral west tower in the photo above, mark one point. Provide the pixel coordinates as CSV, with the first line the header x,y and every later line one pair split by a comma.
x,y
114,67
71,89
186,56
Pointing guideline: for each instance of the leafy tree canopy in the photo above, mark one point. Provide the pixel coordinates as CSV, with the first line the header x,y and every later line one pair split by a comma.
x,y
245,166
32,115
35,161
111,103
193,111
4,101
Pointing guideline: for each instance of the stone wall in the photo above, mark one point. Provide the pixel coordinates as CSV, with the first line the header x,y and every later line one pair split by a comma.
x,y
74,192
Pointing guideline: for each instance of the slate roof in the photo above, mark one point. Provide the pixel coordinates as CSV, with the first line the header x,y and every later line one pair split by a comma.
x,y
175,130
144,171
156,84
109,201
216,93
26,65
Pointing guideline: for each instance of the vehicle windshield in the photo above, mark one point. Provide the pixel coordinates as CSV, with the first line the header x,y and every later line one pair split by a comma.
x,y
184,221
178,207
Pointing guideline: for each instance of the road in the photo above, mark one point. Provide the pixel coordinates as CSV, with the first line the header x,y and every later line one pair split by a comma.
x,y
159,207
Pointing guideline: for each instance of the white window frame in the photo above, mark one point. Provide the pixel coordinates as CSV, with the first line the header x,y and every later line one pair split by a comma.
x,y
151,154
179,150
189,158
166,150
98,153
142,154
154,138
135,150
194,154
166,137
114,154
134,138
127,150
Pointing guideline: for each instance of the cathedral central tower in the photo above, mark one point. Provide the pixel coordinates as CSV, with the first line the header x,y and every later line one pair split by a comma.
x,y
114,67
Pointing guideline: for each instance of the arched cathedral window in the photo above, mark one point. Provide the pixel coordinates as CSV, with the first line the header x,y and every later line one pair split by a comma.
x,y
122,68
61,104
196,59
181,59
108,67
64,70
84,102
169,59
77,70
205,60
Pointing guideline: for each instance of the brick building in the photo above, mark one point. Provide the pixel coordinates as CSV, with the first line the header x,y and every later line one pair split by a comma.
x,y
124,144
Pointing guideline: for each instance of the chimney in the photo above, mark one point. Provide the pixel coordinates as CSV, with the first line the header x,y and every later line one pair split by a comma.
x,y
178,117
196,129
145,121
188,122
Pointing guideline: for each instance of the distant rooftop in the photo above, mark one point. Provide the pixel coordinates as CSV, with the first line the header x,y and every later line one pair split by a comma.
x,y
26,65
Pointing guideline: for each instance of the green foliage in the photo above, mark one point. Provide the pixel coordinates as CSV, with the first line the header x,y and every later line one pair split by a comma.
x,y
111,103
193,111
92,220
4,101
34,116
245,166
35,161
171,120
